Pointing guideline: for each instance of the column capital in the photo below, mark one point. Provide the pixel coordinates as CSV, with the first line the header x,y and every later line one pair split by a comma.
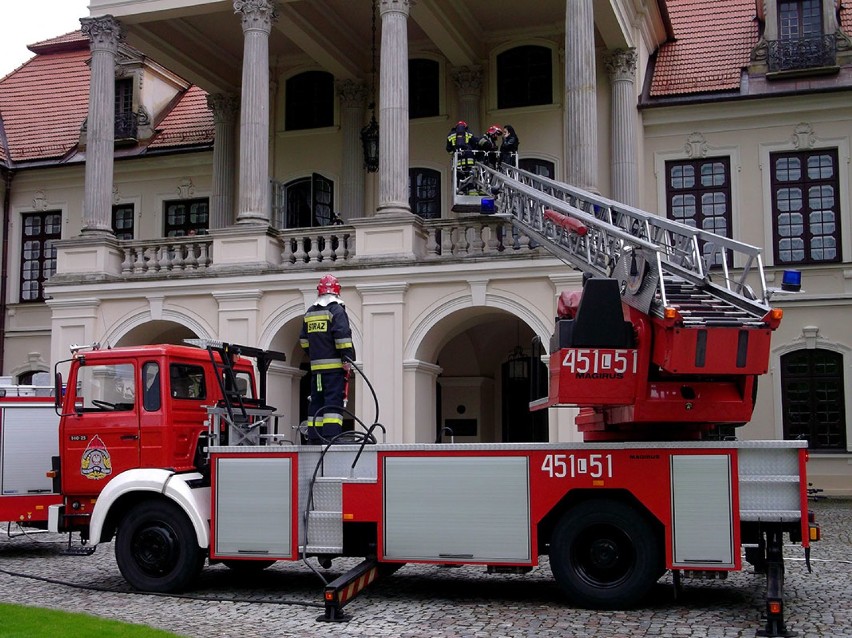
x,y
395,6
257,15
621,64
467,79
352,93
224,106
104,33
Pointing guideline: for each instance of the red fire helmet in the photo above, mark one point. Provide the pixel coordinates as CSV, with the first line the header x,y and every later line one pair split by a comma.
x,y
328,285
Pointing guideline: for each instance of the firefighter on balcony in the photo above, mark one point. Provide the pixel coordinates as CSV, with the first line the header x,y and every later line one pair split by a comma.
x,y
461,142
327,338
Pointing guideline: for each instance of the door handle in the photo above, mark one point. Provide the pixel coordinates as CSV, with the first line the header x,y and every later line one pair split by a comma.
x,y
129,437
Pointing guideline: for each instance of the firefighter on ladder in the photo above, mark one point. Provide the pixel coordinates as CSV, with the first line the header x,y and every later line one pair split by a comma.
x,y
326,338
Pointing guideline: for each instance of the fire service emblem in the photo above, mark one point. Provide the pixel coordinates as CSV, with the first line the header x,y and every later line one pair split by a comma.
x,y
95,463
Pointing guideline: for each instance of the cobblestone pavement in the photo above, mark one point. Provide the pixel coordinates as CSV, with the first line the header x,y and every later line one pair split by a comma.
x,y
436,602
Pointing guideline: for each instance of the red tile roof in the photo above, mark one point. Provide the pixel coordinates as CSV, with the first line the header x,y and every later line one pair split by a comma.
x,y
189,122
44,103
710,49
846,17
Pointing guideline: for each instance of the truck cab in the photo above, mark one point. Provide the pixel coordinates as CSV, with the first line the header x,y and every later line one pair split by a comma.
x,y
137,407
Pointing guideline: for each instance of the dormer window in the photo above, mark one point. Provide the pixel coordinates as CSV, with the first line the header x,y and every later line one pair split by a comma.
x,y
125,117
802,43
799,19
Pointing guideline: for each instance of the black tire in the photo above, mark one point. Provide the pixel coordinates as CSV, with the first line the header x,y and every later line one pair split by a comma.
x,y
156,548
247,566
605,554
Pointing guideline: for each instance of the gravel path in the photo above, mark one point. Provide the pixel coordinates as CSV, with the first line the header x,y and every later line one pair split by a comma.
x,y
436,602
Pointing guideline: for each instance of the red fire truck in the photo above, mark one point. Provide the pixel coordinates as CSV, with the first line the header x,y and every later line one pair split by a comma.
x,y
172,451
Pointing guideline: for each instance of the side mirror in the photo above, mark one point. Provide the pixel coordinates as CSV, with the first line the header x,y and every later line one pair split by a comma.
x,y
57,390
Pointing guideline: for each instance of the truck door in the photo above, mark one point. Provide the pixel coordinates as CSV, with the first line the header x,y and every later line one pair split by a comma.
x,y
100,439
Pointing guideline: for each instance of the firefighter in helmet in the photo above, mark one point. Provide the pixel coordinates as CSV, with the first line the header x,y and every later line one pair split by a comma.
x,y
326,339
487,145
462,142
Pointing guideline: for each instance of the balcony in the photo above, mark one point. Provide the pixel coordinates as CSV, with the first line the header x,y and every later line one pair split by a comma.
x,y
799,56
126,128
471,237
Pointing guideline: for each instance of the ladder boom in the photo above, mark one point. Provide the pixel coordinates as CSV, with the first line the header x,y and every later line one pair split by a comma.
x,y
653,255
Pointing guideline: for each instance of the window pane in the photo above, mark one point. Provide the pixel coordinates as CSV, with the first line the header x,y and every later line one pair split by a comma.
x,y
524,77
788,169
805,205
813,399
538,167
186,217
423,88
309,101
424,192
699,195
38,253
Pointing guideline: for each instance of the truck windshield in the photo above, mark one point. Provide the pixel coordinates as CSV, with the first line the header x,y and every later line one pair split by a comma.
x,y
106,387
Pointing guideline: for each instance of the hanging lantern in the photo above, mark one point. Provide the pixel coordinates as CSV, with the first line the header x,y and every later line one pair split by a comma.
x,y
518,365
370,133
370,142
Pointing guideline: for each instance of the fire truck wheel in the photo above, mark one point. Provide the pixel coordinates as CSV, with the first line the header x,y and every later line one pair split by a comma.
x,y
247,566
156,548
605,554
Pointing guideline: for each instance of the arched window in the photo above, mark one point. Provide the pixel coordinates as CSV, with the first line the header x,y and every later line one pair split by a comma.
x,y
424,192
303,203
423,89
524,77
812,398
538,167
309,101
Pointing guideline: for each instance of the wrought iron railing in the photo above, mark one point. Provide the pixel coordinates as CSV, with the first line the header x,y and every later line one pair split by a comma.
x,y
126,126
801,53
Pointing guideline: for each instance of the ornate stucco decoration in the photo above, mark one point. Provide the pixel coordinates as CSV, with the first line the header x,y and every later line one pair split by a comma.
x,y
696,145
803,136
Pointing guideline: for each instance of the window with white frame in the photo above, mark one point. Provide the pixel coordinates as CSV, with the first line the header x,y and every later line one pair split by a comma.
x,y
806,207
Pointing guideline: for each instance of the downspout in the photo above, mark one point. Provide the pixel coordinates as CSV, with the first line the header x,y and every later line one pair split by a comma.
x,y
8,175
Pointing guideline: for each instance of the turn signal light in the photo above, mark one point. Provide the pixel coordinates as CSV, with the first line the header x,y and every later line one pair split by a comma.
x,y
773,318
670,313
51,474
814,533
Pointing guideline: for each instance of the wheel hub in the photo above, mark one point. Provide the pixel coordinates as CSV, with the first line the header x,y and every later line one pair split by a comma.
x,y
155,549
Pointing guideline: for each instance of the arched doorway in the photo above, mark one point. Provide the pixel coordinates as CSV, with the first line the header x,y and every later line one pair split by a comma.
x,y
484,389
158,331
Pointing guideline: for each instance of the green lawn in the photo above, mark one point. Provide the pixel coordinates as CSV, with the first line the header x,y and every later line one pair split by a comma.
x,y
33,622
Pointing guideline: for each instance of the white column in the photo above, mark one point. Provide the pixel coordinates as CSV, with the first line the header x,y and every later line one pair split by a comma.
x,y
468,82
282,392
581,139
393,109
104,35
420,390
224,109
352,96
257,17
621,66
383,316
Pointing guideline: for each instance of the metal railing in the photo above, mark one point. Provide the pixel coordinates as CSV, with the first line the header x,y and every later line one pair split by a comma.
x,y
793,54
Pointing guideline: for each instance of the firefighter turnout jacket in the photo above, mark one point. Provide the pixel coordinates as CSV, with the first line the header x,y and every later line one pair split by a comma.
x,y
326,336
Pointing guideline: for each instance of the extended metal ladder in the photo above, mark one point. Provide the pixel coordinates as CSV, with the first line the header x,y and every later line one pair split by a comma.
x,y
659,262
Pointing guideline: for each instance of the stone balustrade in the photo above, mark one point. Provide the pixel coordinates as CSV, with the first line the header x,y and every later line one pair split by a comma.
x,y
474,236
168,254
445,239
310,246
